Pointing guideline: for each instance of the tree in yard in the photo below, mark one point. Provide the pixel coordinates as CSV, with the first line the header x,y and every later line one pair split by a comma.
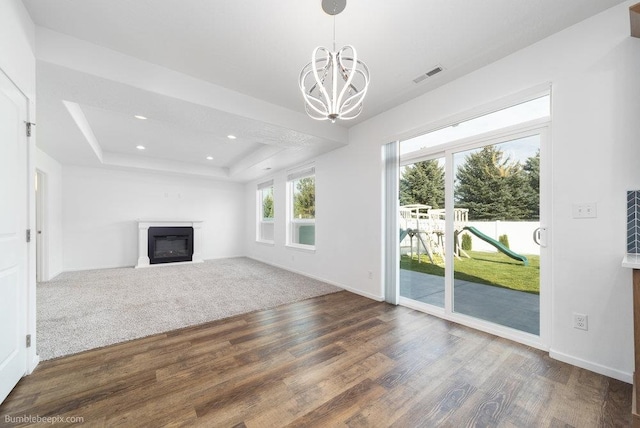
x,y
492,186
532,170
423,183
304,198
267,206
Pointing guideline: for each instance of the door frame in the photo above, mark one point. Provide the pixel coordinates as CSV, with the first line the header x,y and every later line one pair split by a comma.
x,y
33,359
540,127
42,268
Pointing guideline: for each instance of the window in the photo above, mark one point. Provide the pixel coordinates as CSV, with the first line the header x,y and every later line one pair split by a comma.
x,y
302,208
265,212
526,111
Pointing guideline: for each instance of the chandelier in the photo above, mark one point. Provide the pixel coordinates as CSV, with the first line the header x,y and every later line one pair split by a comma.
x,y
334,83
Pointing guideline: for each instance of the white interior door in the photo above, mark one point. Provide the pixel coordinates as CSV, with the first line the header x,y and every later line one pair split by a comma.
x,y
13,224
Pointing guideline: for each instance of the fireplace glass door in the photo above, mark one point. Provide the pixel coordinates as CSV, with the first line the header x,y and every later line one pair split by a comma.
x,y
170,244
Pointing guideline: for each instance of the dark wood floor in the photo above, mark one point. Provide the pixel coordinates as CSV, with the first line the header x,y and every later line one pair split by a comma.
x,y
335,360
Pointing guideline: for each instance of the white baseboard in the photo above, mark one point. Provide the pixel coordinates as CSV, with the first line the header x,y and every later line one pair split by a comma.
x,y
33,364
344,287
594,367
80,269
351,289
53,275
226,257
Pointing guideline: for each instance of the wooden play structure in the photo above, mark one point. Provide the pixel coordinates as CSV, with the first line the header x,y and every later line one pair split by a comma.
x,y
422,230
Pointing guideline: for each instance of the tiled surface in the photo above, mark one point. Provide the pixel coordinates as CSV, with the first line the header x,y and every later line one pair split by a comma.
x,y
633,221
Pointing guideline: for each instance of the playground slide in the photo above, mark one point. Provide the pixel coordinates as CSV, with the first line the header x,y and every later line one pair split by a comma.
x,y
403,233
498,245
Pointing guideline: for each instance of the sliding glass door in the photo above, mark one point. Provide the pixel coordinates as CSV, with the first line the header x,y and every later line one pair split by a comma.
x,y
470,229
496,219
422,225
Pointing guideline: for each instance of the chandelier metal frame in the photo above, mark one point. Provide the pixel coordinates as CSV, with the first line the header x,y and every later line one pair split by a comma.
x,y
334,83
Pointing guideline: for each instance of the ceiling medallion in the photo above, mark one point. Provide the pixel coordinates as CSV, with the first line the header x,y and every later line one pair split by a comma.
x,y
334,83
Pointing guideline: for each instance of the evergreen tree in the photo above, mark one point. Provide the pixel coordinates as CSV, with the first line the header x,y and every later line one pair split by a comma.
x,y
304,198
532,170
423,183
492,187
267,206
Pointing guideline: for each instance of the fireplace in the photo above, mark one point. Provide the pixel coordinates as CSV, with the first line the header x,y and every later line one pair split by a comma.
x,y
170,244
173,243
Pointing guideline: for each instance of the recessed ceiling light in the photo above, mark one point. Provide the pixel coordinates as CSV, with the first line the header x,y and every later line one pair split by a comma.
x,y
140,147
209,157
137,116
231,137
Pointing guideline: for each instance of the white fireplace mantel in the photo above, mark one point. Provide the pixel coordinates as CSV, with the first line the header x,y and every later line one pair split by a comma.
x,y
143,239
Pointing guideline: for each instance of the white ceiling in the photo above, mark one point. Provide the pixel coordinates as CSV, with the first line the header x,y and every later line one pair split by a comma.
x,y
245,56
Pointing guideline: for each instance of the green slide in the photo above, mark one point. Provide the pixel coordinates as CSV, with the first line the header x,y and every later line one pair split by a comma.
x,y
403,233
498,245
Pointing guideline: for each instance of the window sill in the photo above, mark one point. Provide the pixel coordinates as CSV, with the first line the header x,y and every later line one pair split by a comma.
x,y
304,248
267,243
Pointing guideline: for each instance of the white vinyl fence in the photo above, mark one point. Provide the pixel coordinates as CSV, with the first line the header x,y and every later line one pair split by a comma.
x,y
520,235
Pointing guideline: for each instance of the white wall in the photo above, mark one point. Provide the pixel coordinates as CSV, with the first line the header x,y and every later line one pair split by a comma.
x,y
348,228
52,210
100,208
594,68
17,38
17,34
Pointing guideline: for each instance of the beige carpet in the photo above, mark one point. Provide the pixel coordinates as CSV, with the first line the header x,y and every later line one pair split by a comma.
x,y
89,309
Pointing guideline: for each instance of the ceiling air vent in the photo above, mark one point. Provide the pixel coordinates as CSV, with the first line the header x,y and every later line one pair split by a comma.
x,y
429,73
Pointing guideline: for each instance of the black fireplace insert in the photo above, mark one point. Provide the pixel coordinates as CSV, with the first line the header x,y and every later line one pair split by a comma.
x,y
170,244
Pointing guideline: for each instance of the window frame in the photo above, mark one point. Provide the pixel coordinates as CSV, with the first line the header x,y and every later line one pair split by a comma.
x,y
261,222
293,224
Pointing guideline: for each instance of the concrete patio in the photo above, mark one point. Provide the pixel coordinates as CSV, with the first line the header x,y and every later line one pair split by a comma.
x,y
511,308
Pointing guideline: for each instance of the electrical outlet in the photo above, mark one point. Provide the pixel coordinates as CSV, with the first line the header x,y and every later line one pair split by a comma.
x,y
580,321
585,210
370,275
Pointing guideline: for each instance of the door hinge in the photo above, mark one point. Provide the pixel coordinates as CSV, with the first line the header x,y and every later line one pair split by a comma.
x,y
29,125
28,341
28,235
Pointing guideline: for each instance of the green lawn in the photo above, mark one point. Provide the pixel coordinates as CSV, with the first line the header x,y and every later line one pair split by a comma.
x,y
485,268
